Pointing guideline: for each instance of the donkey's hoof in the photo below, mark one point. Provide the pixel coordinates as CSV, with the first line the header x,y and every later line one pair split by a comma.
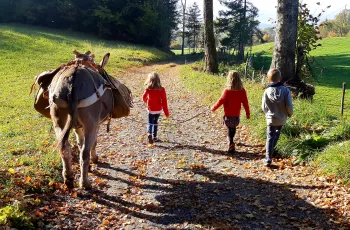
x,y
69,183
85,185
94,159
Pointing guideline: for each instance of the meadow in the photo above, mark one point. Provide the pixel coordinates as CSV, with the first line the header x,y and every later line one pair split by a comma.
x,y
316,131
27,160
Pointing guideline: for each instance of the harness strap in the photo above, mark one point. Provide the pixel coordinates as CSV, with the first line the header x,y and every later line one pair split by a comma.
x,y
97,92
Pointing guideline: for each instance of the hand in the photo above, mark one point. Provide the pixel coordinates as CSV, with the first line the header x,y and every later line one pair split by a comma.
x,y
248,116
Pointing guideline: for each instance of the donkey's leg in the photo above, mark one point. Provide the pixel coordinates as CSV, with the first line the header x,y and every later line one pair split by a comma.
x,y
90,137
67,172
94,157
59,119
79,135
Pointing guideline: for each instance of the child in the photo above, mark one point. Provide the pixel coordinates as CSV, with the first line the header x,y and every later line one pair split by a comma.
x,y
232,98
155,97
277,106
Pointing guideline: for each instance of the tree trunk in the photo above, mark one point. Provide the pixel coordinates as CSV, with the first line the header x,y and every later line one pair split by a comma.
x,y
194,41
286,36
300,62
211,61
243,23
183,25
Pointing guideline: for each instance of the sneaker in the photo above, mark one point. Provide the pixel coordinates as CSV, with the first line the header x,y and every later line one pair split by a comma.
x,y
150,140
156,139
231,148
268,163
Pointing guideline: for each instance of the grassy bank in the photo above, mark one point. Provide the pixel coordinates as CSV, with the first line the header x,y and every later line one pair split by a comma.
x,y
315,127
28,162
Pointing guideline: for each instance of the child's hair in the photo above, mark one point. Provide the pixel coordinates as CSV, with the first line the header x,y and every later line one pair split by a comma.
x,y
274,75
234,81
153,81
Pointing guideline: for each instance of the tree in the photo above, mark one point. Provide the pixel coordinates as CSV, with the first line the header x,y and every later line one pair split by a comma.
x,y
183,4
307,40
211,60
286,36
342,22
148,22
238,23
194,25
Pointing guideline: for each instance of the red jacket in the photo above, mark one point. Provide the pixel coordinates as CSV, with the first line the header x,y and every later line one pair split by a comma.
x,y
232,101
156,100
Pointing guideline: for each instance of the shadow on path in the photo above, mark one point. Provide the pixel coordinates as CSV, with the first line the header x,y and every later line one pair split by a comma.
x,y
223,201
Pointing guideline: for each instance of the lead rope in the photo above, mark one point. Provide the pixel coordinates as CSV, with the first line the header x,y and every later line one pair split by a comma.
x,y
110,114
173,124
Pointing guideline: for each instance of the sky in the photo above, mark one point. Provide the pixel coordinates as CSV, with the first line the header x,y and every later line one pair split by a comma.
x,y
267,8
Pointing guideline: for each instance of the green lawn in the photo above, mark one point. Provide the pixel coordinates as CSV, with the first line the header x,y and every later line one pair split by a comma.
x,y
334,57
25,136
315,127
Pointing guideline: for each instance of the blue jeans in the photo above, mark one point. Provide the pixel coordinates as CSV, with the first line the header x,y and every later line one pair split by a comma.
x,y
153,124
273,134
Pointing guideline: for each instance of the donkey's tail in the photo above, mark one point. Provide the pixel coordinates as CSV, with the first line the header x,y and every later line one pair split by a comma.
x,y
72,114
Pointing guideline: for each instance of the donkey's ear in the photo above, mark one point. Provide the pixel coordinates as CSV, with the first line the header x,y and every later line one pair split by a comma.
x,y
104,61
76,52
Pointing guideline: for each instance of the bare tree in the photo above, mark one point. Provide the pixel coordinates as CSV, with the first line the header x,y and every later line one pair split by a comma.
x,y
211,61
183,3
286,36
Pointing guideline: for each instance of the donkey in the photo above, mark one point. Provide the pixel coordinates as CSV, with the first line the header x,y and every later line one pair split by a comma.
x,y
78,98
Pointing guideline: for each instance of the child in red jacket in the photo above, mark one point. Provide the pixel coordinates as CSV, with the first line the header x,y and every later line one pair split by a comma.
x,y
155,97
232,98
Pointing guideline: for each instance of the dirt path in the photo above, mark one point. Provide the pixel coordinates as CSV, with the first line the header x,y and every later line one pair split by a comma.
x,y
188,181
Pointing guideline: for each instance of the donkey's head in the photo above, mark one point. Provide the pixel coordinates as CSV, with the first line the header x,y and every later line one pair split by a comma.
x,y
88,56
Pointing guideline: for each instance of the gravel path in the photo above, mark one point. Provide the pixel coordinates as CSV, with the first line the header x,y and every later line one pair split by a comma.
x,y
188,180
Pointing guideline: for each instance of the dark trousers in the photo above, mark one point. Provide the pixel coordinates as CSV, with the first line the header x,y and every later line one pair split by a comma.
x,y
273,134
231,134
152,127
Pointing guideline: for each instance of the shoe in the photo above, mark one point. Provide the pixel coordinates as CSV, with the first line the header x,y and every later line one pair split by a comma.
x,y
150,140
232,148
156,139
268,163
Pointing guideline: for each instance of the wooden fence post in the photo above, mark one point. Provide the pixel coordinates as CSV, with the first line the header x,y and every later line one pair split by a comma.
x,y
342,99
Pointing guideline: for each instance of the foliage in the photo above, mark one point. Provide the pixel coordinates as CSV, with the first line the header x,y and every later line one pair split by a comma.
x,y
237,23
148,22
14,217
338,27
194,25
269,34
307,40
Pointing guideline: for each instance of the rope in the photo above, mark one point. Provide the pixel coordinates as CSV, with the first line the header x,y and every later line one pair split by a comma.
x,y
173,124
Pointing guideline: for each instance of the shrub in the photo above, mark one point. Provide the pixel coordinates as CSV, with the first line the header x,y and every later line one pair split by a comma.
x,y
12,216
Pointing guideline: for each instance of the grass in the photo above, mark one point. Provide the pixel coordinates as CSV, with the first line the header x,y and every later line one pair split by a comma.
x,y
315,127
27,160
335,159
